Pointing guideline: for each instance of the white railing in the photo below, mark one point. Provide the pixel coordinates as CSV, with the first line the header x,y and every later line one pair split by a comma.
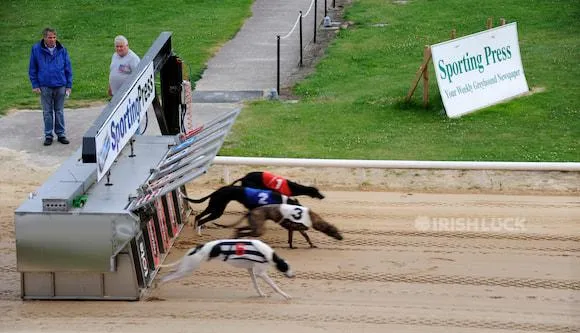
x,y
398,164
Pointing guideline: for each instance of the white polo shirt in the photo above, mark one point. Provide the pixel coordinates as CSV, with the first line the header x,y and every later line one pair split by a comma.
x,y
121,68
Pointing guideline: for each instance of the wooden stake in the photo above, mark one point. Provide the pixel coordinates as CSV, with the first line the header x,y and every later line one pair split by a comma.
x,y
426,58
490,22
453,33
502,21
418,76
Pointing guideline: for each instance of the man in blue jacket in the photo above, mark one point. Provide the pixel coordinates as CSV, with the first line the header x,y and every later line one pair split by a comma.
x,y
50,73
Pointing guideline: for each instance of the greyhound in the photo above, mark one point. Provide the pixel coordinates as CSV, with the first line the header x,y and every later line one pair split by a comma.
x,y
252,254
291,217
247,196
269,181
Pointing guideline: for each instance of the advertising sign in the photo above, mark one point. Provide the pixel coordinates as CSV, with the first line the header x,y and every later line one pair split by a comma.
x,y
153,245
140,258
124,121
171,214
162,226
479,70
181,207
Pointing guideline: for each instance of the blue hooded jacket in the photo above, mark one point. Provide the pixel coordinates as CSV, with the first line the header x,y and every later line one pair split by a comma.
x,y
49,70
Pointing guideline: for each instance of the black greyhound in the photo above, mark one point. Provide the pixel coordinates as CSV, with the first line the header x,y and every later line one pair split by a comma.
x,y
269,181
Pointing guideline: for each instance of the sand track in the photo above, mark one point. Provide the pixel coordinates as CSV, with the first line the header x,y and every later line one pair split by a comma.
x,y
386,275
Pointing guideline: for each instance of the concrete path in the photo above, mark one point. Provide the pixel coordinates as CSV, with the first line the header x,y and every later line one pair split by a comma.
x,y
248,62
246,67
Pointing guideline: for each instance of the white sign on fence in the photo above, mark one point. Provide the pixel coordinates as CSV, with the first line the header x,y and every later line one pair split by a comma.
x,y
479,70
124,120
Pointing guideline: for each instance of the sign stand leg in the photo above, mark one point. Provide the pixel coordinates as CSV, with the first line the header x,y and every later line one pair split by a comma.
x,y
108,183
426,58
489,23
421,74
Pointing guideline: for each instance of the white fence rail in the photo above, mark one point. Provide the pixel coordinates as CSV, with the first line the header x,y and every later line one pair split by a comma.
x,y
398,164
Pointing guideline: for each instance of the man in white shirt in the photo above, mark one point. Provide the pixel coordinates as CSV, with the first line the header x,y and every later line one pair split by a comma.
x,y
123,63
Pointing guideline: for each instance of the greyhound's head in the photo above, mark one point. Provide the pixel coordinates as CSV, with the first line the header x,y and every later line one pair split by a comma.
x,y
314,192
195,256
282,265
292,201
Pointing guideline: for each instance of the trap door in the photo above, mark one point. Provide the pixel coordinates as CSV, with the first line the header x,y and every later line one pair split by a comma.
x,y
186,160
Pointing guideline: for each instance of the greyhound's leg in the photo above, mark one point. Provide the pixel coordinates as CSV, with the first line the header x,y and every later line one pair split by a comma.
x,y
269,281
196,222
207,211
253,276
244,232
214,215
290,234
198,218
212,212
305,235
172,276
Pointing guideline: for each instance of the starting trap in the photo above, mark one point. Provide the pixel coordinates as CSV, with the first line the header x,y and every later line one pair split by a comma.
x,y
100,226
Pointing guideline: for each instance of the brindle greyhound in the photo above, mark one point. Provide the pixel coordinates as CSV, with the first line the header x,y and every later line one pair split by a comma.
x,y
291,217
269,181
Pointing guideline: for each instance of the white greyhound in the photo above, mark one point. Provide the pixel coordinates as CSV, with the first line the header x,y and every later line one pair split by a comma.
x,y
251,254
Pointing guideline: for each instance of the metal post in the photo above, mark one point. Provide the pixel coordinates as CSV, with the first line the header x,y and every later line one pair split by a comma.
x,y
108,183
315,19
300,23
325,12
132,148
278,65
333,3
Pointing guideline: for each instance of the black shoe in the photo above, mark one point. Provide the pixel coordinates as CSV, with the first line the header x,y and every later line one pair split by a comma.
x,y
47,141
63,140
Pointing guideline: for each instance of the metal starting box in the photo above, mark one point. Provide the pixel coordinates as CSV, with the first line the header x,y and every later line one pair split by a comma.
x,y
100,226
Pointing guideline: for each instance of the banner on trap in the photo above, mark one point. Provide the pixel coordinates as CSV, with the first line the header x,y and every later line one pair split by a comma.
x,y
156,237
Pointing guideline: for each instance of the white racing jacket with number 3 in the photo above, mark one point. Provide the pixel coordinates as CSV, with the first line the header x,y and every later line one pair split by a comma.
x,y
296,214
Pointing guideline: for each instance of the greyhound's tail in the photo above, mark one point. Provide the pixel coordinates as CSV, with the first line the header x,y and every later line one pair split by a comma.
x,y
319,224
181,194
282,265
175,263
235,181
235,223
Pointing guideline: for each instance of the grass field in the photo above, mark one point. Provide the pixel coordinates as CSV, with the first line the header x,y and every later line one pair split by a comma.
x,y
352,107
87,28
